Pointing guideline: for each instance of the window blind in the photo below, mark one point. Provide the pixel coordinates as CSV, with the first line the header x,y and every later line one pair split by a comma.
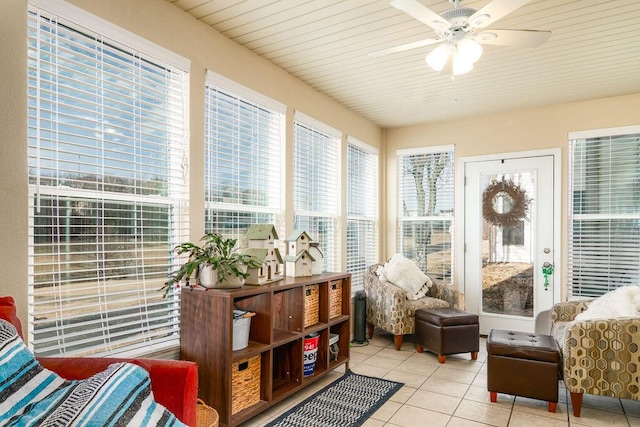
x,y
243,159
604,211
108,181
426,202
316,190
362,210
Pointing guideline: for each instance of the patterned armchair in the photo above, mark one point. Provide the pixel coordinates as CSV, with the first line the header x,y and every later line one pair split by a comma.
x,y
388,307
599,356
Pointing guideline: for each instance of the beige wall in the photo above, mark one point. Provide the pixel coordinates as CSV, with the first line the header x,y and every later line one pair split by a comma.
x,y
161,23
534,129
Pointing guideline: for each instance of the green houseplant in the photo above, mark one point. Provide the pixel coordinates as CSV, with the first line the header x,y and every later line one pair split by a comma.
x,y
216,262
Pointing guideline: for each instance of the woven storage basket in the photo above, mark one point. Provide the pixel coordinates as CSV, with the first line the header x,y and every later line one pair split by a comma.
x,y
335,298
311,305
206,416
245,383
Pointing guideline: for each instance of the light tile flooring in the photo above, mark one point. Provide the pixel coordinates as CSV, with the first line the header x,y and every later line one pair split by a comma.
x,y
455,394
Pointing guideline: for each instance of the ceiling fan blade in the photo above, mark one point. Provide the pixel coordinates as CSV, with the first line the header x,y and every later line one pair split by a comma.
x,y
403,47
422,13
493,11
516,38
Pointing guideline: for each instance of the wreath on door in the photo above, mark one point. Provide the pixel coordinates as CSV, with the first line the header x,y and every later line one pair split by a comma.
x,y
504,203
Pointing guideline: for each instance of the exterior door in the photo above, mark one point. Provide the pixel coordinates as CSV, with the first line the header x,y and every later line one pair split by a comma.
x,y
510,241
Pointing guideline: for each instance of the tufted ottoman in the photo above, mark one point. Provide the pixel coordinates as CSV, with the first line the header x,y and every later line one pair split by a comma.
x,y
523,364
446,331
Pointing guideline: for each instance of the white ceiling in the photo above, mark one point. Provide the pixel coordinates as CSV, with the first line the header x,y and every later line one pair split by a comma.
x,y
593,52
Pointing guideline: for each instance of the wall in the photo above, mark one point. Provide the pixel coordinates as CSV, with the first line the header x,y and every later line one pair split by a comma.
x,y
533,129
164,24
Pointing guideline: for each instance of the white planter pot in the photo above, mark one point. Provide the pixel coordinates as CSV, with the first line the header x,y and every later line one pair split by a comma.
x,y
209,279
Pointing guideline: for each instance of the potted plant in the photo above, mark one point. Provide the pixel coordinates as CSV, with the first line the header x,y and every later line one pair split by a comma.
x,y
217,262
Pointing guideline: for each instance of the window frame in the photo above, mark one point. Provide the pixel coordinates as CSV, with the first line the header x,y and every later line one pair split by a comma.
x,y
256,101
585,264
368,190
104,37
331,247
447,277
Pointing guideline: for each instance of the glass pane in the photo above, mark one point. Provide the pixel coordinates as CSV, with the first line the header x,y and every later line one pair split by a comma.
x,y
508,243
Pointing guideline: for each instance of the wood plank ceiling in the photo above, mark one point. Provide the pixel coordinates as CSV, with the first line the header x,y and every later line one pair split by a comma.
x,y
593,52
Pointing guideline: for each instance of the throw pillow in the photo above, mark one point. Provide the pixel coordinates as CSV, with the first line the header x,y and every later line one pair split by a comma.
x,y
31,395
403,273
622,302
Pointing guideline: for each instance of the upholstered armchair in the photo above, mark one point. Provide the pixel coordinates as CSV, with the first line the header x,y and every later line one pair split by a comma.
x,y
599,356
389,309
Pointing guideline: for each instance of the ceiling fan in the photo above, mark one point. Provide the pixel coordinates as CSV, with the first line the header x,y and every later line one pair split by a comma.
x,y
459,30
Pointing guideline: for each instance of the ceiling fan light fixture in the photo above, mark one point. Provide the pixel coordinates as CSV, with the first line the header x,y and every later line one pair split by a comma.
x,y
438,57
468,50
460,66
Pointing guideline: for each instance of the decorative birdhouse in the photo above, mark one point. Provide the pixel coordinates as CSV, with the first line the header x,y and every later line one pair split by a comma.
x,y
261,240
298,265
261,236
297,242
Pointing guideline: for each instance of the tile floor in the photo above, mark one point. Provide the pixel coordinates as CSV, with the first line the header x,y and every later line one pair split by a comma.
x,y
455,394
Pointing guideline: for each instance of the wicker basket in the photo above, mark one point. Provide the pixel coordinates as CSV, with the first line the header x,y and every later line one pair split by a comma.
x,y
245,383
335,298
206,416
311,305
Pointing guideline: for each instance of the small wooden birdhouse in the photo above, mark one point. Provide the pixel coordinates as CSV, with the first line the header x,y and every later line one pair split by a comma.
x,y
298,265
270,266
261,236
298,241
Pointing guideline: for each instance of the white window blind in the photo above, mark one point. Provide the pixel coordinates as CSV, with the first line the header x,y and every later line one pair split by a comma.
x,y
108,183
362,210
316,190
425,202
243,159
604,211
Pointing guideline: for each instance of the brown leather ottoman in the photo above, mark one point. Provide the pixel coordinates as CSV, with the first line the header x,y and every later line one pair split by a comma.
x,y
446,331
523,364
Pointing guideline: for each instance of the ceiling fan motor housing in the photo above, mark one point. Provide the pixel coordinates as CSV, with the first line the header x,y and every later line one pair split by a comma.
x,y
459,20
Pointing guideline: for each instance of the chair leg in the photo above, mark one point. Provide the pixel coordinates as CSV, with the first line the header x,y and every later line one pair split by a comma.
x,y
576,402
370,328
419,348
397,340
474,355
442,358
552,406
494,396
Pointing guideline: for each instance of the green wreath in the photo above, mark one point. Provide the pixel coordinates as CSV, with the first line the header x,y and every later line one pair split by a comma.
x,y
516,197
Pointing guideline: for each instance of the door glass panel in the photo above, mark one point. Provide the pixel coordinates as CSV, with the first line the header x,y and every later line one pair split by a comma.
x,y
508,206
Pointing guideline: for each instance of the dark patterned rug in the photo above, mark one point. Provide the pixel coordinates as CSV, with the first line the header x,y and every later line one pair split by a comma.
x,y
347,402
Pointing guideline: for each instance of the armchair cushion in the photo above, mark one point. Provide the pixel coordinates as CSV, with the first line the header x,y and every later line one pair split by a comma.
x,y
403,273
622,302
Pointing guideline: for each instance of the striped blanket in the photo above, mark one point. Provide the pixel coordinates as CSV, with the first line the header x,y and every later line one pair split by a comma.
x,y
33,396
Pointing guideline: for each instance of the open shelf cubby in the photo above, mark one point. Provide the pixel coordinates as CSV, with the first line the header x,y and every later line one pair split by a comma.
x,y
276,340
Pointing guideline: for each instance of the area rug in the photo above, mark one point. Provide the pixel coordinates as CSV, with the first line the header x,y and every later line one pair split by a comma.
x,y
347,402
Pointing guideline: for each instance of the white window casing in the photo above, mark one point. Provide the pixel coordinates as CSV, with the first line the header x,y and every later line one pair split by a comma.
x,y
316,182
604,210
108,178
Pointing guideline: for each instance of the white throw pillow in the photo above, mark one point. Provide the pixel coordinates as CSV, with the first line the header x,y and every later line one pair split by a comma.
x,y
403,273
622,302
